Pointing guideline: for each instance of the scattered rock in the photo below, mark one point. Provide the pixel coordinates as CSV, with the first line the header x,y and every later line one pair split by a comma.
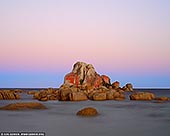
x,y
43,96
23,106
89,111
36,95
18,91
46,94
163,98
142,96
8,95
77,96
31,92
128,87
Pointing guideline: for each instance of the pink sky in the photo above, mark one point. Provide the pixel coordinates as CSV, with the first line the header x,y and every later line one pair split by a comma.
x,y
115,36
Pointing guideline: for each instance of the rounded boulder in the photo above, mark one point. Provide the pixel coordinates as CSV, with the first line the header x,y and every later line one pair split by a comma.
x,y
89,111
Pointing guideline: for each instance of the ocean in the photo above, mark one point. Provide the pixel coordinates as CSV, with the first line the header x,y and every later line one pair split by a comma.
x,y
116,118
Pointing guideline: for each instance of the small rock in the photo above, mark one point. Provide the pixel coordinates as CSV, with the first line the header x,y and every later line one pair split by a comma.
x,y
31,92
18,91
89,111
163,98
128,87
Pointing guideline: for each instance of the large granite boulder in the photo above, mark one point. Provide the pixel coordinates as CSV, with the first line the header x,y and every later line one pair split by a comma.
x,y
71,93
114,95
89,111
41,95
23,106
64,94
85,75
99,96
142,96
106,80
77,96
110,94
116,85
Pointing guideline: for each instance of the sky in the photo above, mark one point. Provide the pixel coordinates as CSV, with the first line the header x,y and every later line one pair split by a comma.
x,y
128,40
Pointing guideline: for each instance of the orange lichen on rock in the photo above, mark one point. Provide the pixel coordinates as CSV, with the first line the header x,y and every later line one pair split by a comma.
x,y
85,75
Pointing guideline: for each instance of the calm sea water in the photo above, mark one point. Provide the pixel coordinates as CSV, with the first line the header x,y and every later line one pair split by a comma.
x,y
117,118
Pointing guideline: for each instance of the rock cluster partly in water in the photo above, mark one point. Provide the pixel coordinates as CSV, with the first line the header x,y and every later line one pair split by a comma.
x,y
45,95
142,96
9,94
85,83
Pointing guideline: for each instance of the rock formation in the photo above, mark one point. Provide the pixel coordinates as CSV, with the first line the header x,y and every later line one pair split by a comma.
x,y
46,94
85,75
89,111
9,95
77,96
114,95
128,87
85,83
99,96
142,96
115,85
23,106
64,93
